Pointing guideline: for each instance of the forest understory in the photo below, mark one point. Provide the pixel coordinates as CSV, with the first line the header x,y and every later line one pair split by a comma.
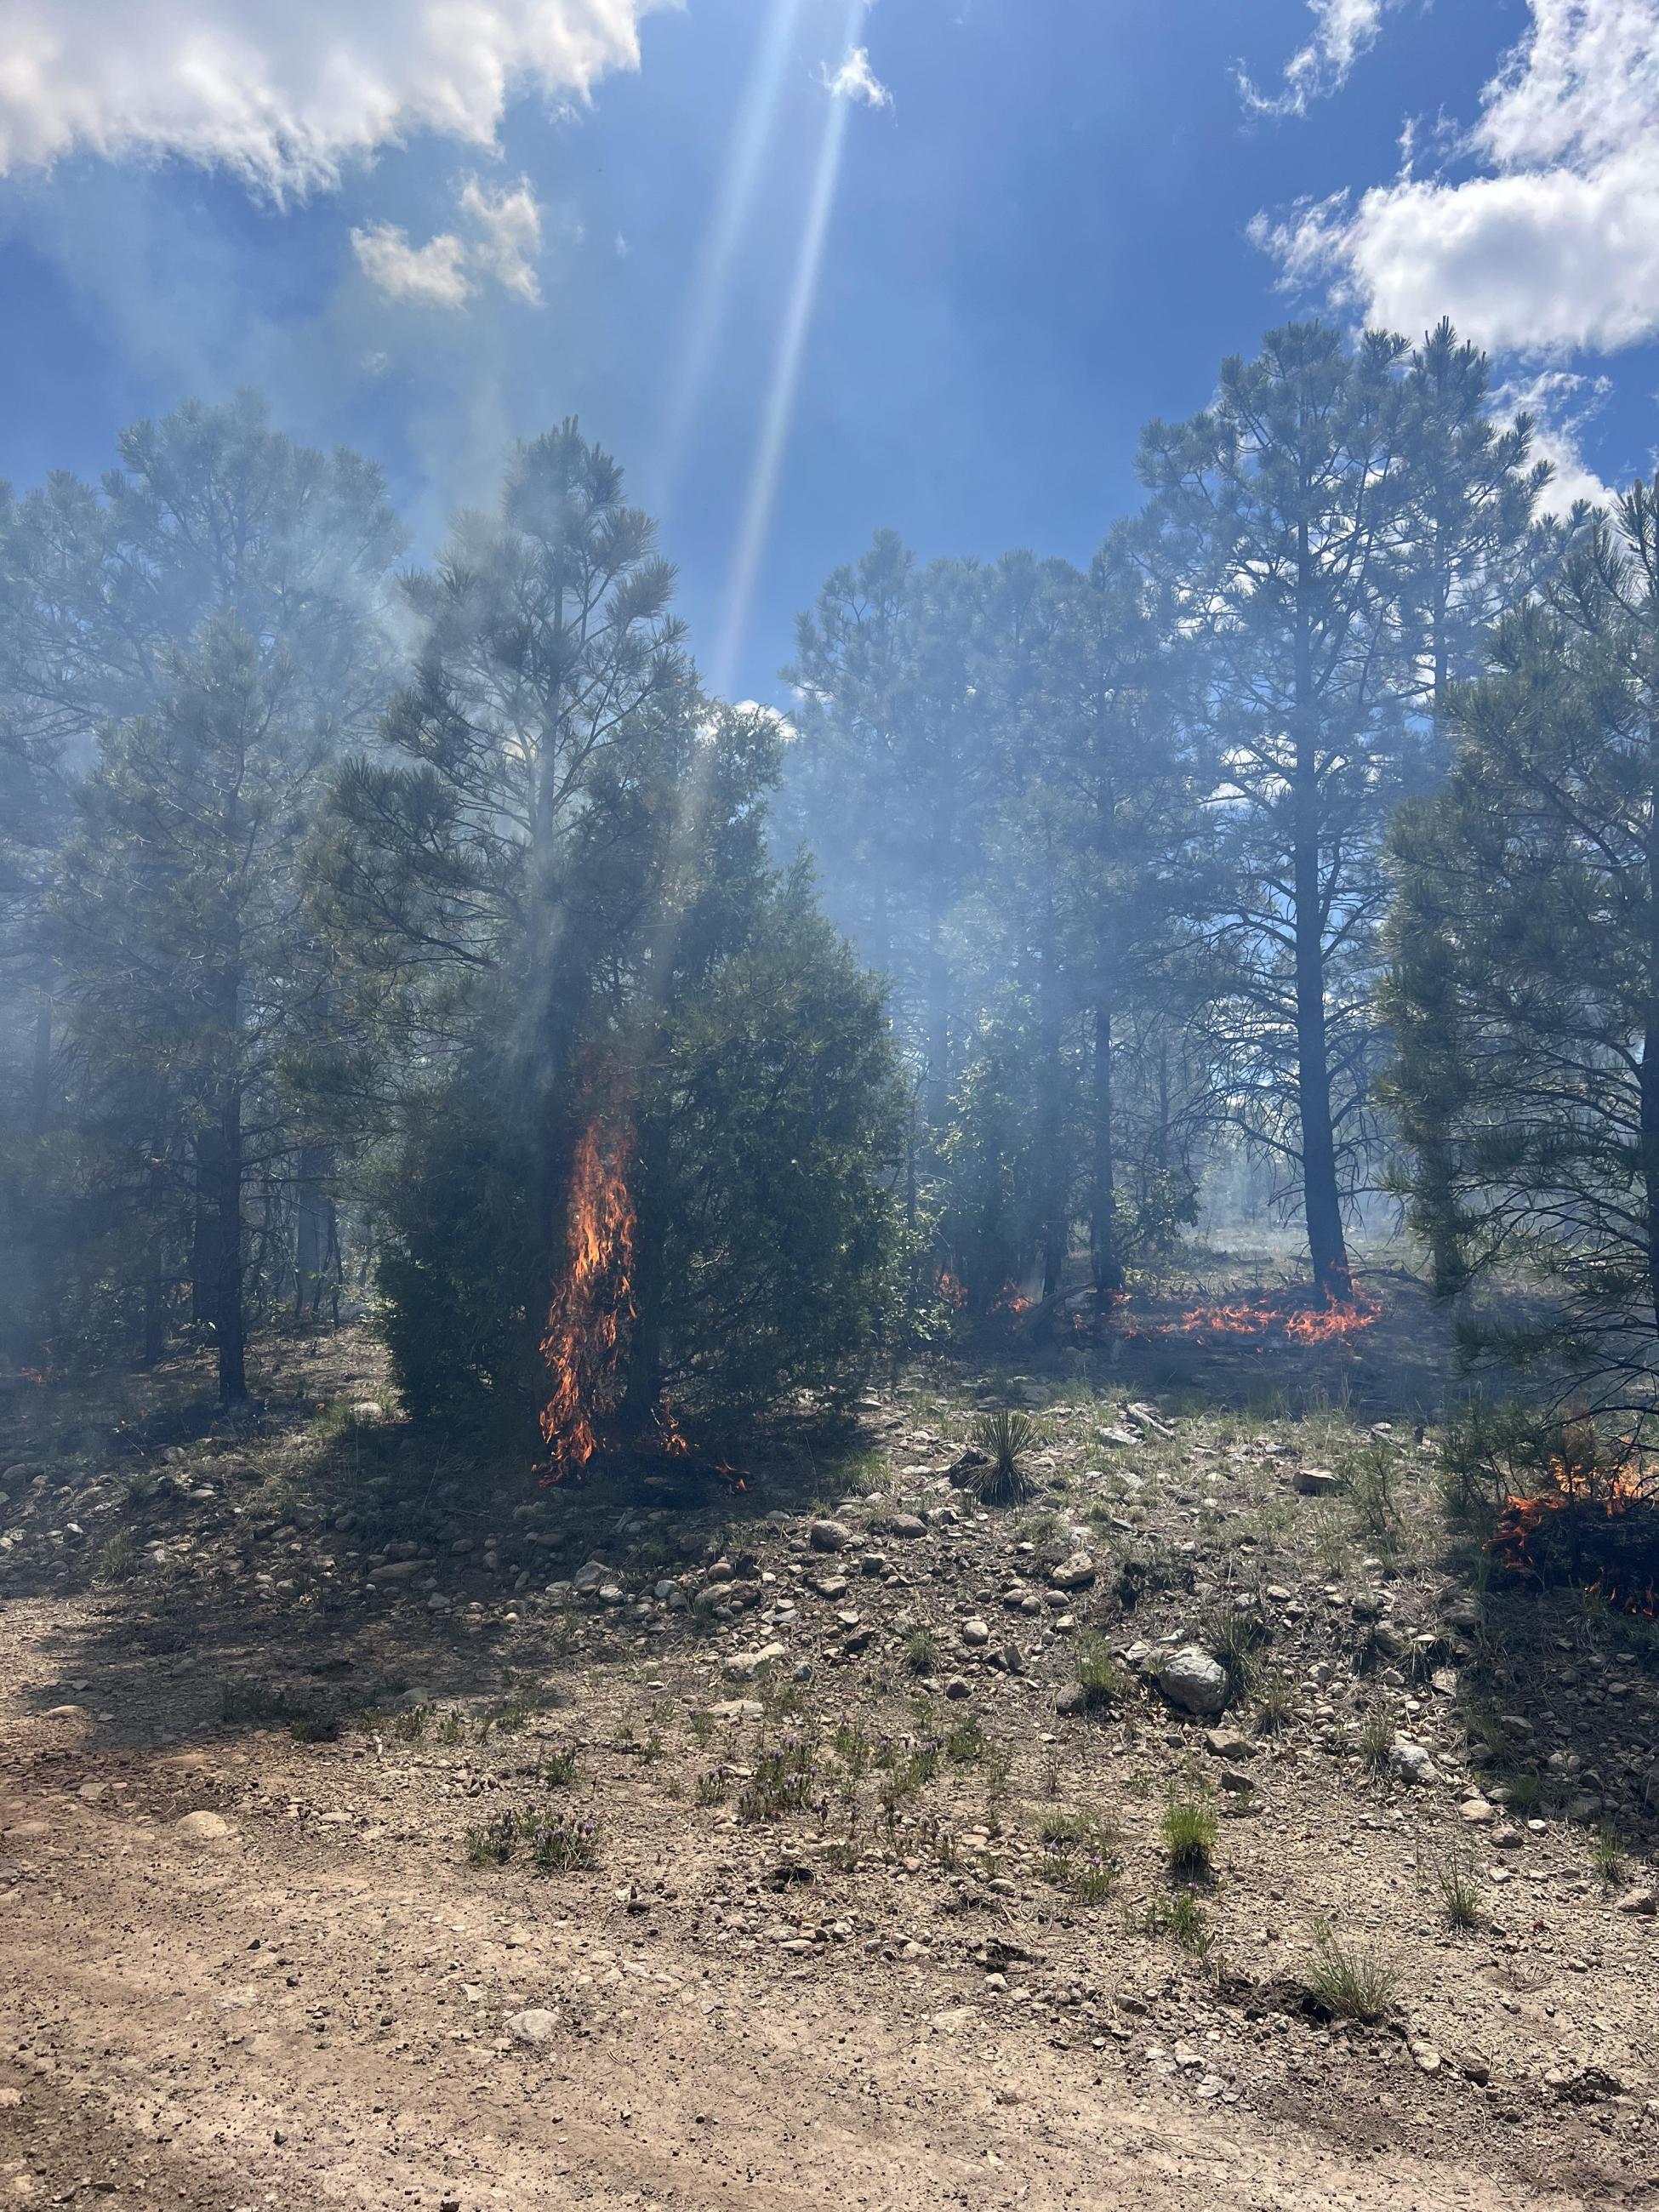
x,y
374,1835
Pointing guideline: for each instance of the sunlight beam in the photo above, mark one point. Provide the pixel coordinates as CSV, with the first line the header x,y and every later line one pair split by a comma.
x,y
693,355
786,375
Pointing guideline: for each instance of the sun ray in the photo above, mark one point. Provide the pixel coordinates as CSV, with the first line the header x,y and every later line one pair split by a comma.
x,y
694,355
755,522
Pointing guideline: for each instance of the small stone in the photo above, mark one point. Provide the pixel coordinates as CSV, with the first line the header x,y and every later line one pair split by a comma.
x,y
1072,1700
1410,1761
1642,1901
1315,1481
829,1536
1228,1743
1074,1573
975,1633
1508,1837
206,1832
1426,2058
873,1562
749,1666
535,2025
958,1687
906,1525
1477,1812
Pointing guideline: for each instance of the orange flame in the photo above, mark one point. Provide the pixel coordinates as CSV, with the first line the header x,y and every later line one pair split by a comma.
x,y
593,1306
1264,1318
1579,1486
1013,1300
951,1289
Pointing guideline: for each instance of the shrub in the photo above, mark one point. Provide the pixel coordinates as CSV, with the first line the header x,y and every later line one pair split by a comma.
x,y
1375,1741
1005,1436
1190,1829
1275,1703
779,1783
922,1651
965,1741
1099,1676
559,1767
1349,1981
1607,1856
117,1558
1455,1878
563,1844
493,1843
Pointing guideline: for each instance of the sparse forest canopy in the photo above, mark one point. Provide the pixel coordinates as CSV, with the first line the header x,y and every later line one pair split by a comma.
x,y
434,941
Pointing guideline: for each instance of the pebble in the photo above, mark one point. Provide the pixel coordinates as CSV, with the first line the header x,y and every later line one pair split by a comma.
x,y
975,1633
536,2025
829,1536
204,1830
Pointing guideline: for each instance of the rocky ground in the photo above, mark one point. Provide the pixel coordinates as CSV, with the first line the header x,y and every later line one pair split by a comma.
x,y
380,1831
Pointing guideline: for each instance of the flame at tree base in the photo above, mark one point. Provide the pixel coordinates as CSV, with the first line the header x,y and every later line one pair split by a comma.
x,y
590,1320
592,1309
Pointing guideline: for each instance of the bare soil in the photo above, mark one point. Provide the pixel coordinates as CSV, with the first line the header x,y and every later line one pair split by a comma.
x,y
902,1990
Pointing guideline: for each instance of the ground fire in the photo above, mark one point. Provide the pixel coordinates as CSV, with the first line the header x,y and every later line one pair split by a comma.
x,y
1276,1317
1588,1525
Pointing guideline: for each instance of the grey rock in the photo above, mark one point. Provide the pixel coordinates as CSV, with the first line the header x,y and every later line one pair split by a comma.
x,y
750,1666
536,2025
1191,1679
1315,1481
829,1536
204,1832
1410,1761
1074,1573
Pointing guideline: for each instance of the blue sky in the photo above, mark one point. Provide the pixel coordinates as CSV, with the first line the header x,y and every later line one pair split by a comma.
x,y
1040,223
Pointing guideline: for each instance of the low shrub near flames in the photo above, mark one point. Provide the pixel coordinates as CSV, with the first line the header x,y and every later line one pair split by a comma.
x,y
756,1249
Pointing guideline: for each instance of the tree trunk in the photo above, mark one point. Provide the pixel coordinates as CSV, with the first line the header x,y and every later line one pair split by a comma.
x,y
40,1114
1321,1201
201,1238
936,993
316,1241
1648,1092
1056,1183
1108,1266
224,1236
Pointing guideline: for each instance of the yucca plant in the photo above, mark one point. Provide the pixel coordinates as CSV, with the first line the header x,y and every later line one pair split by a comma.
x,y
1005,1436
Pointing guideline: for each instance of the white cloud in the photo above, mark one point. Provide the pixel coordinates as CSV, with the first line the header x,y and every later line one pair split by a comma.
x,y
430,275
286,91
1553,244
1561,404
510,226
856,80
1342,31
507,232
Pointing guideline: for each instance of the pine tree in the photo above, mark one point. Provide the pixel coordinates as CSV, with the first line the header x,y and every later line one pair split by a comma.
x,y
1527,924
106,593
188,959
1279,514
